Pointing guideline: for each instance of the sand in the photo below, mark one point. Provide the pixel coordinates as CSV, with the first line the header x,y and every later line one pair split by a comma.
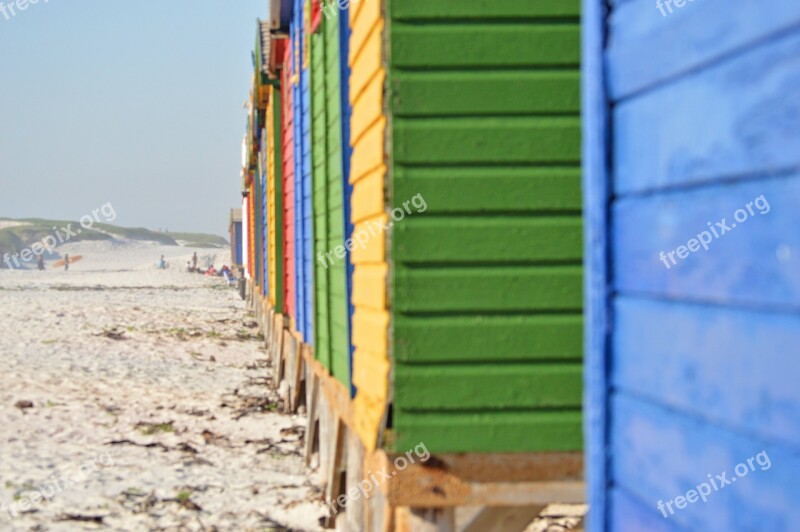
x,y
133,398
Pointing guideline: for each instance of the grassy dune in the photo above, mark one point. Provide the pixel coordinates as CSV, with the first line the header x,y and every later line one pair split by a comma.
x,y
18,237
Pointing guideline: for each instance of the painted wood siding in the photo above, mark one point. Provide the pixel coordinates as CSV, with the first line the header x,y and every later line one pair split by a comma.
x,y
274,196
347,152
487,281
367,175
332,345
288,185
304,263
691,368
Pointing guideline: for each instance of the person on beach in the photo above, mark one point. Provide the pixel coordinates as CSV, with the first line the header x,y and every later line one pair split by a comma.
x,y
162,264
40,263
66,262
194,261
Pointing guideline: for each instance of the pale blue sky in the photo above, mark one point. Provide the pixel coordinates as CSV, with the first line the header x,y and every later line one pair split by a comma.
x,y
134,103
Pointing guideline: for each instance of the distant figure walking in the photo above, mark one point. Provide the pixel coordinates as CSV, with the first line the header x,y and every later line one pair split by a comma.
x,y
40,263
194,261
66,262
162,264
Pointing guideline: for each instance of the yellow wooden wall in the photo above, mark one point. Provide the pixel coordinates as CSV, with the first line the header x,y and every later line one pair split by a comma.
x,y
371,366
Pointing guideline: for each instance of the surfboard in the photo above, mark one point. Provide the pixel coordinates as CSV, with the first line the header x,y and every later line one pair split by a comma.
x,y
73,259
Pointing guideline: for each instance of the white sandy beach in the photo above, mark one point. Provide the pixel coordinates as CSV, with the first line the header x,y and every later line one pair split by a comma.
x,y
151,380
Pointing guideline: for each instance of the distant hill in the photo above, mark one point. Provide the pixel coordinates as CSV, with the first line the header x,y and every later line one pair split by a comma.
x,y
16,235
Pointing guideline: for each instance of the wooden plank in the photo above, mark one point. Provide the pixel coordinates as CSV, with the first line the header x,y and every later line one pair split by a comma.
x,y
485,239
334,483
490,44
369,286
489,190
366,19
692,132
693,346
380,514
356,514
480,9
277,353
503,519
482,289
312,421
368,153
752,264
660,454
368,107
297,386
646,48
508,140
500,431
485,93
485,480
485,388
500,338
367,199
291,349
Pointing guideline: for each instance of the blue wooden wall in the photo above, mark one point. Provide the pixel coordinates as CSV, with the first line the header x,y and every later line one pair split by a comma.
x,y
304,261
692,369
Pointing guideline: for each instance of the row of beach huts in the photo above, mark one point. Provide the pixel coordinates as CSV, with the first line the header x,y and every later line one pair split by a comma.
x,y
509,234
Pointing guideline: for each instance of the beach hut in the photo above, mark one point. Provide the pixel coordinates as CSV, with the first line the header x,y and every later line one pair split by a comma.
x,y
304,262
331,309
274,197
236,236
693,271
288,165
467,256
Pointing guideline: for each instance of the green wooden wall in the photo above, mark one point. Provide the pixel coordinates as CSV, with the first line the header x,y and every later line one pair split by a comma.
x,y
276,195
487,283
332,343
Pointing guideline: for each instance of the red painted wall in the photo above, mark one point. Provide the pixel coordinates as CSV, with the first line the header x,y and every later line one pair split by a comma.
x,y
289,287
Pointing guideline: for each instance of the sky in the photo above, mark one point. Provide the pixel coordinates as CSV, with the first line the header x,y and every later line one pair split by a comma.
x,y
139,104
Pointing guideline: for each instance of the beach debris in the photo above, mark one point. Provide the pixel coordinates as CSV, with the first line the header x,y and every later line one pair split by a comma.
x,y
184,498
136,444
186,448
268,445
24,404
98,519
148,429
212,438
297,430
113,334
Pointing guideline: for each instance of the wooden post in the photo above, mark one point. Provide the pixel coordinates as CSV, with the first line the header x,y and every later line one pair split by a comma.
x,y
356,514
333,482
289,362
312,389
